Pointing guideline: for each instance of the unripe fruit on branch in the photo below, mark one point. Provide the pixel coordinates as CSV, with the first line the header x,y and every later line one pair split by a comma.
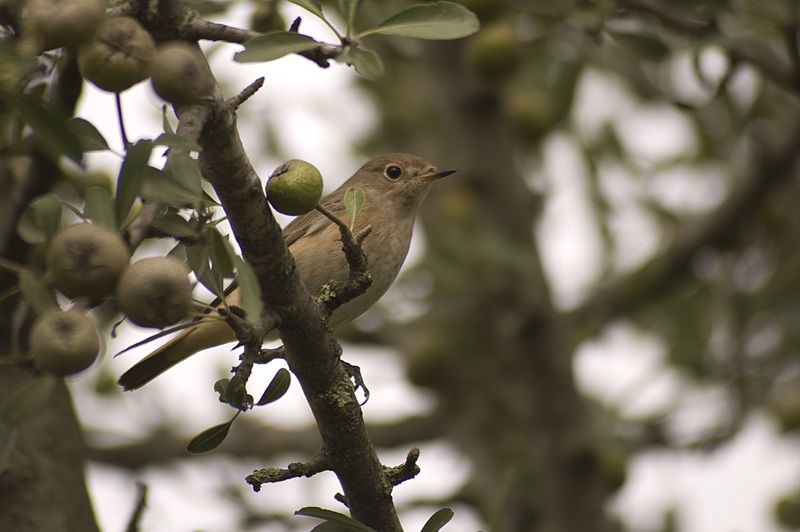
x,y
179,75
85,260
155,292
294,188
495,53
51,24
63,343
119,56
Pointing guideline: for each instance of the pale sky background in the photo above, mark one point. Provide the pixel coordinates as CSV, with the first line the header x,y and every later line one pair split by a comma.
x,y
730,490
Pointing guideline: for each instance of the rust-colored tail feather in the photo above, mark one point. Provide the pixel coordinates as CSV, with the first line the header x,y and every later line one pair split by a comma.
x,y
206,334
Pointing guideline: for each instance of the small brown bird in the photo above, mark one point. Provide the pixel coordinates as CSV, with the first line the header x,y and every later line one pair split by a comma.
x,y
394,186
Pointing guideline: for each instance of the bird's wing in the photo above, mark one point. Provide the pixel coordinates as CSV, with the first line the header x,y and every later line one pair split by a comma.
x,y
209,332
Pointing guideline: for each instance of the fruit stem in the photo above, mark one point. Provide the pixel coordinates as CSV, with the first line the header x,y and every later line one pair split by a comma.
x,y
121,121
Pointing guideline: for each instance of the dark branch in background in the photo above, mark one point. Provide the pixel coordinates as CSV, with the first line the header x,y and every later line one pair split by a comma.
x,y
785,75
42,173
251,438
775,164
203,29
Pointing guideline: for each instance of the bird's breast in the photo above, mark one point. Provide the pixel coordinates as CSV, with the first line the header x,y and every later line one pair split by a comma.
x,y
386,250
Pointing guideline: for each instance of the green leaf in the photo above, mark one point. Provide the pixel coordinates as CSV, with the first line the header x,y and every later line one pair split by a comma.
x,y
7,437
349,9
41,220
354,200
274,45
159,187
277,387
437,20
221,387
368,64
88,136
36,293
647,45
50,130
438,520
24,402
249,289
345,522
132,177
174,225
236,392
160,334
99,207
313,6
197,256
177,141
186,172
222,255
209,439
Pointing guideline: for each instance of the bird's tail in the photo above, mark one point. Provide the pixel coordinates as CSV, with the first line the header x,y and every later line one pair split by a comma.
x,y
205,334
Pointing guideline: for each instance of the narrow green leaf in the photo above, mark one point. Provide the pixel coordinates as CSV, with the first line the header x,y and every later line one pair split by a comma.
x,y
88,136
367,63
274,45
50,130
160,187
160,334
645,44
99,207
438,520
186,172
437,20
222,255
221,387
7,437
354,200
174,225
132,177
334,517
177,141
197,256
249,289
313,6
349,9
36,293
235,392
41,220
209,439
277,387
27,400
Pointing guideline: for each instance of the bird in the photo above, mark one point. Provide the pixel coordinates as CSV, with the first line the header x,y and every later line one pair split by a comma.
x,y
394,187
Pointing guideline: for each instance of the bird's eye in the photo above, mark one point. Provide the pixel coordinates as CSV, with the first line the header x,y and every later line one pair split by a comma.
x,y
393,172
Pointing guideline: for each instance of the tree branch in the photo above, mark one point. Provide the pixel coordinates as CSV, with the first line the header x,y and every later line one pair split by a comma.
x,y
758,56
273,475
310,351
775,163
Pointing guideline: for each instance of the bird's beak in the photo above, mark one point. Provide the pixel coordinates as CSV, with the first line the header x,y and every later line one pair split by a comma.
x,y
436,174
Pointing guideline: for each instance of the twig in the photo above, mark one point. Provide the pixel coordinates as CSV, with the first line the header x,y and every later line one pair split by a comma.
x,y
405,471
335,294
122,132
249,335
272,475
246,94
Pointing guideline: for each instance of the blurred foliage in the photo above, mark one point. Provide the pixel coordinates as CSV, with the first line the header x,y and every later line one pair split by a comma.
x,y
719,288
724,308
